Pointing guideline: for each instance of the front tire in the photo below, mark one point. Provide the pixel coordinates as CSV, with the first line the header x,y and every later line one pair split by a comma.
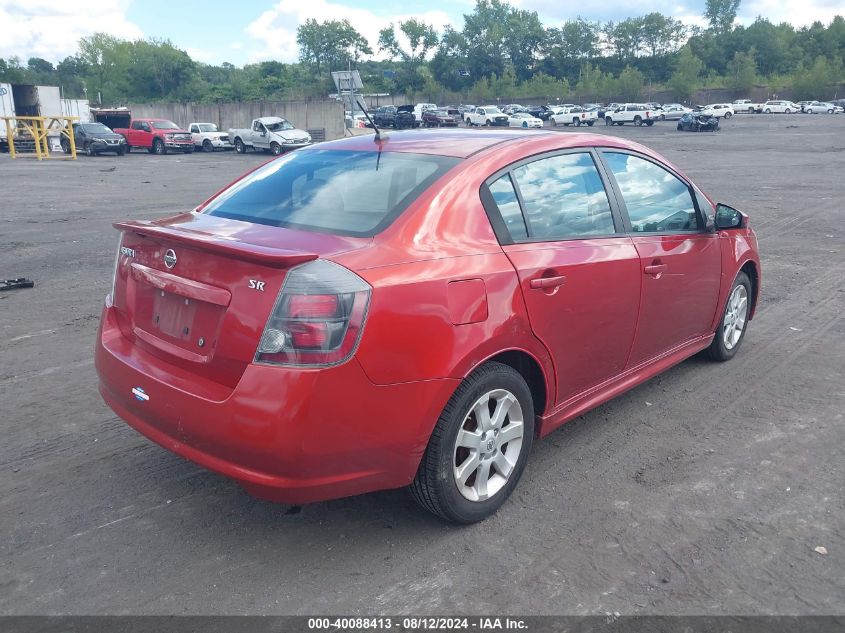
x,y
158,147
207,146
787,111
638,121
275,148
479,446
734,321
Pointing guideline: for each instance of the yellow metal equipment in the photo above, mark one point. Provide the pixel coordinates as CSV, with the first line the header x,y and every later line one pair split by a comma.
x,y
38,128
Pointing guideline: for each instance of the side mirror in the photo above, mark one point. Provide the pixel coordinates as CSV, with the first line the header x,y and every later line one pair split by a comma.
x,y
729,218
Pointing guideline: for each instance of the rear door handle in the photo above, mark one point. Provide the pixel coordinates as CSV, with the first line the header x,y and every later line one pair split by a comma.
x,y
655,269
542,283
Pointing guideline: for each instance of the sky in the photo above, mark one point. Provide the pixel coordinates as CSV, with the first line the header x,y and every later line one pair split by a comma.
x,y
257,30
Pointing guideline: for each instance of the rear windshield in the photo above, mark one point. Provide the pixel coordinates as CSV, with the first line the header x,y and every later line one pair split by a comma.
x,y
332,191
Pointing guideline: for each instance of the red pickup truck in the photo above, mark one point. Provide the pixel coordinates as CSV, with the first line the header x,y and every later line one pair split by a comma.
x,y
157,136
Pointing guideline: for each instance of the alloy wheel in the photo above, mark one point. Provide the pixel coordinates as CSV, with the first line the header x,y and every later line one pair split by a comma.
x,y
488,445
736,315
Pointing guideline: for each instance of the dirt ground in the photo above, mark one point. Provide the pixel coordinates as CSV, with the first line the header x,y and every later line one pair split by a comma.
x,y
704,491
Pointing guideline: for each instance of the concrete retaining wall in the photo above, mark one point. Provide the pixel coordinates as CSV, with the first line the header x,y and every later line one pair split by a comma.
x,y
326,115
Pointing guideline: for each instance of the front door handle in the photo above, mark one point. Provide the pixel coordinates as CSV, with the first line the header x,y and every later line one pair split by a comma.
x,y
655,269
544,283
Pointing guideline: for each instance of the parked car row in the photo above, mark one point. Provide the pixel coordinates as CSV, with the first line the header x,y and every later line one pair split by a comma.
x,y
783,106
160,136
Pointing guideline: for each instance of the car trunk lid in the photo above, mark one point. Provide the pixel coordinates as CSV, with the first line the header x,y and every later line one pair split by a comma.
x,y
196,290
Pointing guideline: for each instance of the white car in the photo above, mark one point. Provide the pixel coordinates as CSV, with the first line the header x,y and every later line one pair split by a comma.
x,y
524,120
779,107
574,115
208,137
718,110
815,107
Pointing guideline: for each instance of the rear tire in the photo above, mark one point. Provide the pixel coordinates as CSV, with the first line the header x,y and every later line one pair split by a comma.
x,y
728,115
734,322
491,467
590,123
240,148
649,123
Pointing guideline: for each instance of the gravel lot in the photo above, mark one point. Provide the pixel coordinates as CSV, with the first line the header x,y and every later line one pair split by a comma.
x,y
704,491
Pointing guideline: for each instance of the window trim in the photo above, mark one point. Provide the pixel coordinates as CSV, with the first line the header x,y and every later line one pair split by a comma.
x,y
498,223
617,192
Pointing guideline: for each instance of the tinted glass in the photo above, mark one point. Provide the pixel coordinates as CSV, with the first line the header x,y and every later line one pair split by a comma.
x,y
349,193
505,197
656,199
564,197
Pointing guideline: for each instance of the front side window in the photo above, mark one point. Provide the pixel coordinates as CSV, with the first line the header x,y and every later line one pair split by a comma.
x,y
657,200
333,191
564,198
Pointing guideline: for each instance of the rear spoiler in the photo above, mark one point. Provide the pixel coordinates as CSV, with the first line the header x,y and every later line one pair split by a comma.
x,y
267,256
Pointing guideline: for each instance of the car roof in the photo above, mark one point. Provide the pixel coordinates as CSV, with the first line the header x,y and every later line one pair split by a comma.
x,y
463,143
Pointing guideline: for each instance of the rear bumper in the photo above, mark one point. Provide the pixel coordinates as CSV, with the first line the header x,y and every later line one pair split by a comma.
x,y
287,435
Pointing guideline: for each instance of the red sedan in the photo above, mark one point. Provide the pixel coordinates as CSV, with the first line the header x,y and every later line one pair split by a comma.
x,y
415,311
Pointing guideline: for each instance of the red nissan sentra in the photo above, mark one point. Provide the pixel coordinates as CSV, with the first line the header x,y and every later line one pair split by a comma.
x,y
415,311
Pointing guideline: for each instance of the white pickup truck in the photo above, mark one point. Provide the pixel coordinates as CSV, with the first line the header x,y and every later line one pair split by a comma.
x,y
575,115
487,115
269,133
208,138
636,113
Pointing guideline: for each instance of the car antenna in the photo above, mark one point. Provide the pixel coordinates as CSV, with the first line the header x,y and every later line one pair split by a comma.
x,y
380,135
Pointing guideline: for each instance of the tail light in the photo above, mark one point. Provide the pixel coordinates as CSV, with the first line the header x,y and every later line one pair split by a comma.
x,y
318,317
116,263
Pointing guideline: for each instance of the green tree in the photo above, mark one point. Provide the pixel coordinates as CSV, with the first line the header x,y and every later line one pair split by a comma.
x,y
330,45
742,71
817,81
721,14
630,83
422,38
449,65
661,34
625,38
687,76
106,59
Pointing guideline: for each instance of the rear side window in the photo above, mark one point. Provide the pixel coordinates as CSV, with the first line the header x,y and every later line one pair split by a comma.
x,y
656,200
505,198
347,193
564,198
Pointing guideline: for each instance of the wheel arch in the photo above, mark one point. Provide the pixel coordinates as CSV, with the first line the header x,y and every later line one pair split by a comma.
x,y
751,269
529,368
